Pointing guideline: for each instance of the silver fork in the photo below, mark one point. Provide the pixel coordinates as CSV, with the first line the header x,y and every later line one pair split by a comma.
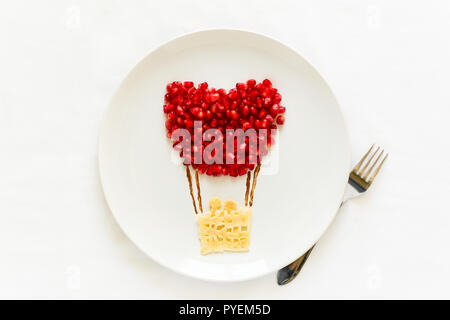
x,y
359,181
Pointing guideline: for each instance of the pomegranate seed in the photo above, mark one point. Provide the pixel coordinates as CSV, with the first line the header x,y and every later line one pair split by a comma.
x,y
265,93
242,170
233,94
240,86
188,84
173,91
281,110
246,125
267,102
214,108
274,109
195,111
233,172
217,170
180,111
245,111
262,114
280,119
277,98
233,124
171,116
214,97
259,102
264,124
267,83
253,94
251,83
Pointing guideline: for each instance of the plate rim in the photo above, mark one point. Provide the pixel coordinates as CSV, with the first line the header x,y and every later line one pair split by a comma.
x,y
103,128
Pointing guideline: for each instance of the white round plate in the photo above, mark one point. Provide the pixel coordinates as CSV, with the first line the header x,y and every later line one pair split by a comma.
x,y
297,196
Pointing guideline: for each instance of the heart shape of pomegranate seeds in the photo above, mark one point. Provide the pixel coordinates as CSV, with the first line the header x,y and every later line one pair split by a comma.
x,y
249,106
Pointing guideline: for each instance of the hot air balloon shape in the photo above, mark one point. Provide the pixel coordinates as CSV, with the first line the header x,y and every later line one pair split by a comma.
x,y
223,133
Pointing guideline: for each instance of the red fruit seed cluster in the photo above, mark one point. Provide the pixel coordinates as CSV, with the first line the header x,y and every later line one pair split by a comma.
x,y
250,105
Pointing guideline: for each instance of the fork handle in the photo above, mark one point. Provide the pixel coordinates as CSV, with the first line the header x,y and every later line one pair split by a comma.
x,y
289,272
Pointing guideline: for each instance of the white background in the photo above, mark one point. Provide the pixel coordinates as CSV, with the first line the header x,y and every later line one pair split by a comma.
x,y
388,63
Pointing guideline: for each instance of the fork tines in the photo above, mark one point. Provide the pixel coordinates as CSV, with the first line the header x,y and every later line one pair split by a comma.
x,y
366,170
